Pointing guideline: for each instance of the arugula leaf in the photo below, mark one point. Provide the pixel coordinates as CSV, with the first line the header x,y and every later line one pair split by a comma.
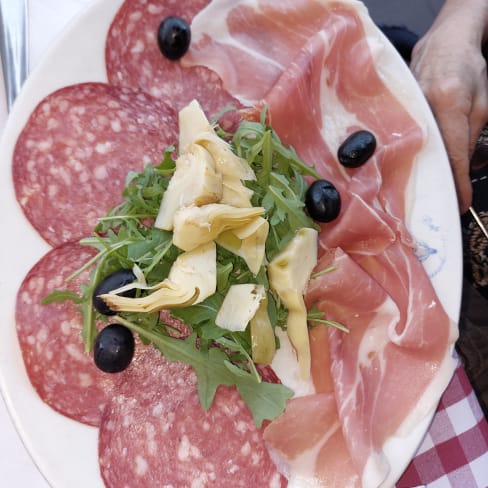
x,y
249,139
280,185
125,237
62,296
201,314
265,400
316,318
89,331
212,368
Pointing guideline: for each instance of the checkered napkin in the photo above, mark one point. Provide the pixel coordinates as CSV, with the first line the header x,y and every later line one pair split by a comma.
x,y
454,453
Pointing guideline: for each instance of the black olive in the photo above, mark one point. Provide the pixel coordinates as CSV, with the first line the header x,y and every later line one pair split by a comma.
x,y
174,36
120,278
323,201
357,149
114,348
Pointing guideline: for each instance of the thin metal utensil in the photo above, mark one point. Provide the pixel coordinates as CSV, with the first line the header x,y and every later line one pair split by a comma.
x,y
478,220
14,46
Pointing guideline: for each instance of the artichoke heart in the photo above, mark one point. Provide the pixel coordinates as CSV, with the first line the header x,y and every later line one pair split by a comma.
x,y
194,226
239,306
297,328
263,341
192,278
248,242
289,273
196,129
227,163
192,121
235,193
194,182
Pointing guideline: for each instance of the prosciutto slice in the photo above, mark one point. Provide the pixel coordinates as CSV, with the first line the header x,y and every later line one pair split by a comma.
x,y
327,76
313,452
383,370
319,85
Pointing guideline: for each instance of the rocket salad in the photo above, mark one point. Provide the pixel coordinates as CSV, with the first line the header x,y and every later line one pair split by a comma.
x,y
127,239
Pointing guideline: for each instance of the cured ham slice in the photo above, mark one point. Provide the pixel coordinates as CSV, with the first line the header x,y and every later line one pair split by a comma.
x,y
72,158
329,80
133,58
373,366
244,40
60,370
405,281
158,428
308,445
367,396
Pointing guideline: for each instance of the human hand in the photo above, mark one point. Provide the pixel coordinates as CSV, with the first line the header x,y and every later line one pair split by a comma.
x,y
450,68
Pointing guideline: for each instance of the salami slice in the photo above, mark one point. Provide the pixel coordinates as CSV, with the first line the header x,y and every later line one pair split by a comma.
x,y
155,433
72,158
133,57
64,376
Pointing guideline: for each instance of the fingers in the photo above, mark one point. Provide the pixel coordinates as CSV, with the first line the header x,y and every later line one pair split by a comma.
x,y
450,68
460,106
451,105
479,113
454,126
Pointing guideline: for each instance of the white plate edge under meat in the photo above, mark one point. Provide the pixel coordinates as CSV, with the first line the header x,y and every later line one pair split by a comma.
x,y
66,451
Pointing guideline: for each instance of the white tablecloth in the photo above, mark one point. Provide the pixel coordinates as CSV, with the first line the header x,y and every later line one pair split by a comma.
x,y
47,19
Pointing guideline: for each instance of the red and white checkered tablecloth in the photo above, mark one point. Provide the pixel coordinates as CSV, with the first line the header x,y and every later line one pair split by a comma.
x,y
454,452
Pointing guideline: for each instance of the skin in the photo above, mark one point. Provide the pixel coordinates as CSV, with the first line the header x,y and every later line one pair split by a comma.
x,y
450,68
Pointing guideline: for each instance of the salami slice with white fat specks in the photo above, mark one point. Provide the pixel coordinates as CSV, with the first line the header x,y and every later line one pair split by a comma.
x,y
72,158
60,370
133,57
155,433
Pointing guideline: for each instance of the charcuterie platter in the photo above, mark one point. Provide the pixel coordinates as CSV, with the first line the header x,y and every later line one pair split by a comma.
x,y
101,67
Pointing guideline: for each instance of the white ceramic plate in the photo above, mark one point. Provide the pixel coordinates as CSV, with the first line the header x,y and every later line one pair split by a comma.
x,y
66,451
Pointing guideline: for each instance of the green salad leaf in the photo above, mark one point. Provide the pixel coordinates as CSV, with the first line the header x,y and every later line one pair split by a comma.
x,y
125,238
213,368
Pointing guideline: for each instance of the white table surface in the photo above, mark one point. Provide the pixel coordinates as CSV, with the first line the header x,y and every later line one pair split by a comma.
x,y
47,18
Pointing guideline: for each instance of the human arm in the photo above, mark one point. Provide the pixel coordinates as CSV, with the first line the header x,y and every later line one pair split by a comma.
x,y
452,73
